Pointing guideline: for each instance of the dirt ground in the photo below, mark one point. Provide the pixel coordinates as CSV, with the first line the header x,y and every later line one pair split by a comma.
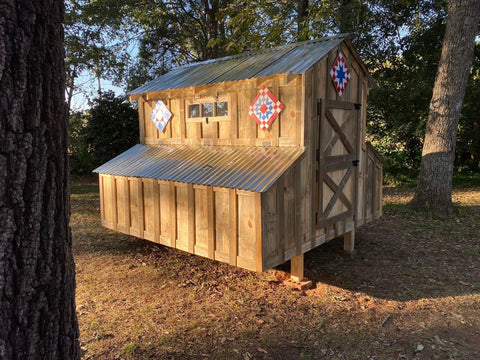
x,y
411,291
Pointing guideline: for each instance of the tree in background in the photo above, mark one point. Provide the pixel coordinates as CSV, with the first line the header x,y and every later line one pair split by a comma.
x,y
37,272
174,33
93,44
103,34
400,41
109,128
468,138
398,106
79,158
434,189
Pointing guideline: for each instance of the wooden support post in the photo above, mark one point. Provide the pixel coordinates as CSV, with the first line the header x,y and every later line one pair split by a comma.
x,y
297,279
296,268
349,242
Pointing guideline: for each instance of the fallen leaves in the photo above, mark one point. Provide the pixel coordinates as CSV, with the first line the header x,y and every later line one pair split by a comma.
x,y
411,291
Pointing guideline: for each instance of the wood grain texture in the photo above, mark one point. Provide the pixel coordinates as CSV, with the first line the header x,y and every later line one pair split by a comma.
x,y
315,199
238,128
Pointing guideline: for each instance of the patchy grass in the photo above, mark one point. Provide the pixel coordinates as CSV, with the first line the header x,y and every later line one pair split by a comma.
x,y
412,291
467,181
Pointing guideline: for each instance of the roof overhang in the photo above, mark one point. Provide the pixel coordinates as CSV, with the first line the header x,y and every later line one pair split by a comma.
x,y
245,168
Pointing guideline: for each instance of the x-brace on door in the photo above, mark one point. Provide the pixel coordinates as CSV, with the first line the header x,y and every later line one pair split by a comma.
x,y
337,161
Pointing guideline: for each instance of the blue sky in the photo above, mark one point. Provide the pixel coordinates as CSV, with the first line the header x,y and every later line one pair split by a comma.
x,y
88,87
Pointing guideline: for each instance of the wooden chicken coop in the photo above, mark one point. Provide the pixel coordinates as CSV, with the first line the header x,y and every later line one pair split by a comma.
x,y
252,159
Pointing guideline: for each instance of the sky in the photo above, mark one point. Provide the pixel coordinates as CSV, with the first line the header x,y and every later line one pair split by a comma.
x,y
88,87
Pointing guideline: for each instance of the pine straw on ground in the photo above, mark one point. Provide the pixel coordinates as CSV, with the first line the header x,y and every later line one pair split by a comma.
x,y
412,291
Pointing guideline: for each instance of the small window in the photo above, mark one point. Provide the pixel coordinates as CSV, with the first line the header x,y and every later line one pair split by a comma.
x,y
194,110
221,108
207,110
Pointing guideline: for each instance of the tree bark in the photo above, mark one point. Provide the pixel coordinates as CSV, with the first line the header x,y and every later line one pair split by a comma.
x,y
434,189
37,274
302,20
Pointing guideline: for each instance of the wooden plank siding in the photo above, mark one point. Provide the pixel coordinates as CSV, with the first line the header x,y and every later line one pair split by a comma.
x,y
321,196
239,128
218,223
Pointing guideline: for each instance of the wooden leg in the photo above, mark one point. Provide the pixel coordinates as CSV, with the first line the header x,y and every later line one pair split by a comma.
x,y
349,241
297,279
296,268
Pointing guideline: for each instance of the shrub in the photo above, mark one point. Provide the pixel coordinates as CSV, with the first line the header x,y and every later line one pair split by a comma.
x,y
109,128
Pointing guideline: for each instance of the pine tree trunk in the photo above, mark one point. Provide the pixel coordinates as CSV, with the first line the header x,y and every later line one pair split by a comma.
x,y
434,189
37,274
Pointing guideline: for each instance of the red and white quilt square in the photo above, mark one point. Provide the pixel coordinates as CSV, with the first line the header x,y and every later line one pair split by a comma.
x,y
340,74
265,108
160,115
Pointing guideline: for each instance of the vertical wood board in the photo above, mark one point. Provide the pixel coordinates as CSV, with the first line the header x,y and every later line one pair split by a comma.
x,y
246,226
201,221
182,215
222,225
148,209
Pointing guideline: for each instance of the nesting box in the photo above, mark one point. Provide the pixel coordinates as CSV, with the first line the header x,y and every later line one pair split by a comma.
x,y
250,160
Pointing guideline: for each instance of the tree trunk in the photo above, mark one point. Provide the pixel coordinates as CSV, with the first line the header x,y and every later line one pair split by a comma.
x,y
345,17
434,189
37,274
302,20
70,87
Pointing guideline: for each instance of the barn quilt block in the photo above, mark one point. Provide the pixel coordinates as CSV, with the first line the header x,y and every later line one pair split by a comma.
x,y
160,115
340,74
265,108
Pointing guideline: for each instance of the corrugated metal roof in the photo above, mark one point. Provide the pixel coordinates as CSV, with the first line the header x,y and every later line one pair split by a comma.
x,y
289,59
245,168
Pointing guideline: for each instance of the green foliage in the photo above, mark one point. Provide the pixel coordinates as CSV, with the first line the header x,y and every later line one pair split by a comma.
x,y
400,41
108,129
160,34
93,42
398,166
466,181
398,107
259,24
112,127
468,140
80,159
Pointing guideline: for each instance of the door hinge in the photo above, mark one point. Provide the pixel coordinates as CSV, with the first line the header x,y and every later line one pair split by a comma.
x,y
358,106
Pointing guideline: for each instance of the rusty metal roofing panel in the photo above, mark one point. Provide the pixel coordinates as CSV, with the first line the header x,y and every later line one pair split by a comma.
x,y
245,168
288,59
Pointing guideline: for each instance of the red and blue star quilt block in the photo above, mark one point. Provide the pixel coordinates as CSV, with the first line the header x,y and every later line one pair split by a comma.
x,y
265,108
340,74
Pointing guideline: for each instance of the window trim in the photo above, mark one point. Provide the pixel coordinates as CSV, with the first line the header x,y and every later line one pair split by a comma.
x,y
212,100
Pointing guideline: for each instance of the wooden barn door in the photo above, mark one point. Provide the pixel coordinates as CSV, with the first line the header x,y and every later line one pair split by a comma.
x,y
337,148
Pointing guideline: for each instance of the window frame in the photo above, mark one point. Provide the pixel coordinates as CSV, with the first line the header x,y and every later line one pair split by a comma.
x,y
207,100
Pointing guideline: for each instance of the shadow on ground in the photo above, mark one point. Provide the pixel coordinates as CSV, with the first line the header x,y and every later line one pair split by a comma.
x,y
399,257
404,295
405,258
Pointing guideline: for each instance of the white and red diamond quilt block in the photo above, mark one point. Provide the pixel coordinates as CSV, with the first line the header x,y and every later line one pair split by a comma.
x,y
265,108
340,74
160,115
